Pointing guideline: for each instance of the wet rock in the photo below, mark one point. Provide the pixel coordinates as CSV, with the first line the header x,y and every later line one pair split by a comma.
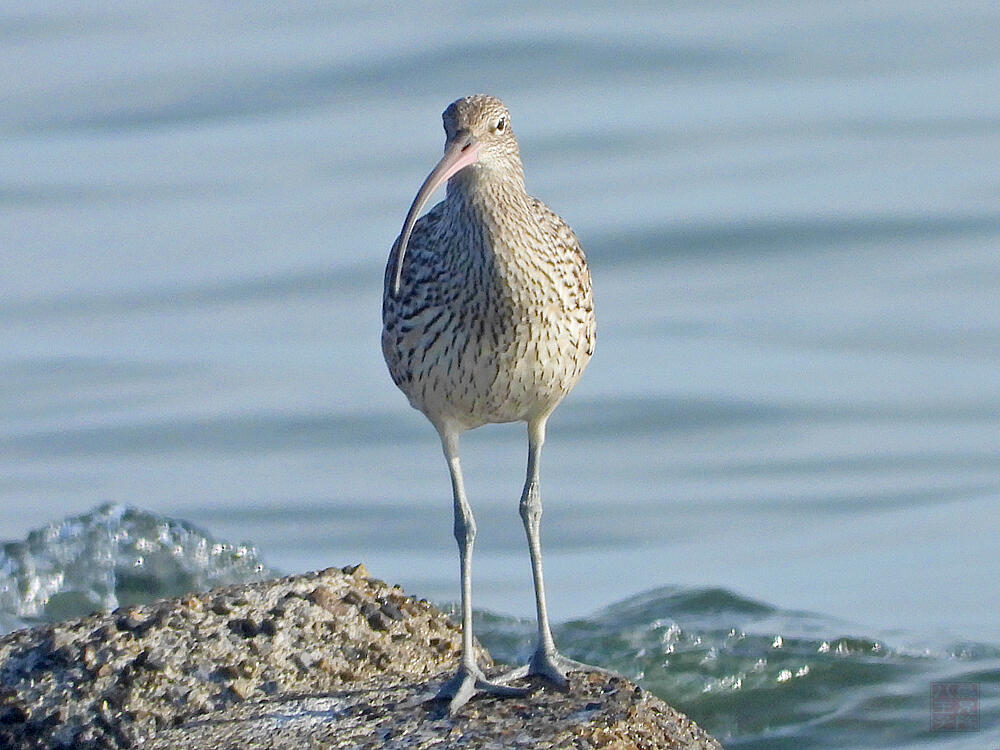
x,y
331,659
333,603
243,689
391,611
244,626
129,620
373,614
353,597
357,571
13,714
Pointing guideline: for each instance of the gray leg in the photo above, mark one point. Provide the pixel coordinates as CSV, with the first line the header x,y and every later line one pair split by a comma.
x,y
546,661
469,679
531,515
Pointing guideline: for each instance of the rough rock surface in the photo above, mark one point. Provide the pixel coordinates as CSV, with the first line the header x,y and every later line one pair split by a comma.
x,y
596,712
334,659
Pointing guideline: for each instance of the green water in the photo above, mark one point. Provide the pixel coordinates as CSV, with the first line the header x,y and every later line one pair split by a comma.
x,y
758,677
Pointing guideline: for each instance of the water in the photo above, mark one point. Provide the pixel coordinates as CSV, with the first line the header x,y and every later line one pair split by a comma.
x,y
756,675
791,215
114,556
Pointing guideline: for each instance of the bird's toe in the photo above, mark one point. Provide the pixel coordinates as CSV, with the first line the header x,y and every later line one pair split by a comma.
x,y
554,667
470,681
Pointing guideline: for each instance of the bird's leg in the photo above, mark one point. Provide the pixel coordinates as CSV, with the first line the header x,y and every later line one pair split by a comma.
x,y
546,660
469,679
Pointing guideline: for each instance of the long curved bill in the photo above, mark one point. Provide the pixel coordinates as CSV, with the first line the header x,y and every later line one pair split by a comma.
x,y
462,153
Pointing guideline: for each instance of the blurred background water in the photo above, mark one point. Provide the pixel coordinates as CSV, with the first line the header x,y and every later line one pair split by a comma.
x,y
791,215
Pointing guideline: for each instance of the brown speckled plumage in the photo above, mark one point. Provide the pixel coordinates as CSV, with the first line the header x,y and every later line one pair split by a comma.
x,y
494,321
488,317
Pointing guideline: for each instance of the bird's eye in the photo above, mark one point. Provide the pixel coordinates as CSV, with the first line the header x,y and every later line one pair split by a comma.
x,y
501,125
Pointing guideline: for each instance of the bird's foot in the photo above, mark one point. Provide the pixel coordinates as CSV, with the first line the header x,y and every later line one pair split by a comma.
x,y
554,667
467,682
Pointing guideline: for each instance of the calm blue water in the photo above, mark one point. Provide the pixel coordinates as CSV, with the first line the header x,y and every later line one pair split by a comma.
x,y
791,214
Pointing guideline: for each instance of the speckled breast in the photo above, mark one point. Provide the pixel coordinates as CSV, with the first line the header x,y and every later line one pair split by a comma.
x,y
479,361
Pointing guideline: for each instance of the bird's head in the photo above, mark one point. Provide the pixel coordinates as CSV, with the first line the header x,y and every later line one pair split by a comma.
x,y
481,123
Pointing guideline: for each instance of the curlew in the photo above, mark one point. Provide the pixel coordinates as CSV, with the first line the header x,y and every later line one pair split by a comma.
x,y
488,317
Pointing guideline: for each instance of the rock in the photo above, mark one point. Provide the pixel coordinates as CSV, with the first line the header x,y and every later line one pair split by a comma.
x,y
595,712
334,659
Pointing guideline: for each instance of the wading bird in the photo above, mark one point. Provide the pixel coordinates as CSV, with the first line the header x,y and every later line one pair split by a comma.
x,y
488,317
